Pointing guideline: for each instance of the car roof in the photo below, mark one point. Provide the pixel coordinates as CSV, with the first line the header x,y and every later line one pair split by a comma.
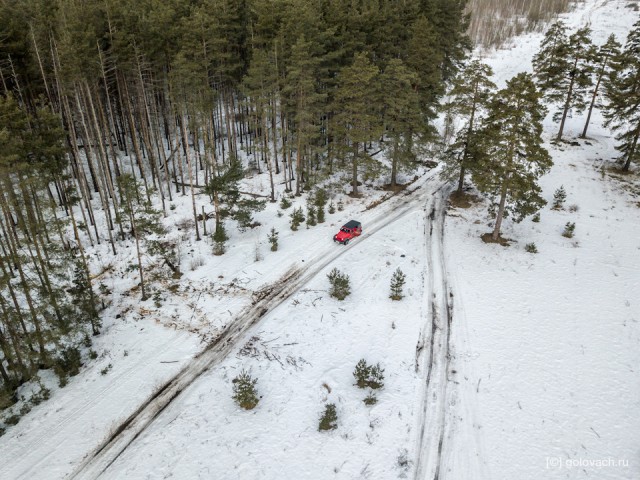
x,y
351,224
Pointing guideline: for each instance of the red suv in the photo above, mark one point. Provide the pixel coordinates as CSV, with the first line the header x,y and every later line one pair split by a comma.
x,y
349,230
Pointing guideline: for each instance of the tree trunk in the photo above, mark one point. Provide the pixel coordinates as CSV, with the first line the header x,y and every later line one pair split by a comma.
x,y
503,200
354,179
632,150
567,102
593,102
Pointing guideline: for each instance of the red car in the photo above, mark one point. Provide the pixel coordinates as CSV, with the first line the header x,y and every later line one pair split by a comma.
x,y
349,230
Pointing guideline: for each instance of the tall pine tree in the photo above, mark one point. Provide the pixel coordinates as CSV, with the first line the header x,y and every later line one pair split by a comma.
x,y
470,94
563,68
512,156
622,111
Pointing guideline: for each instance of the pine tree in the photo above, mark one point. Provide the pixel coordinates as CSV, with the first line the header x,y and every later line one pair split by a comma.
x,y
366,375
563,68
244,390
397,282
559,198
339,281
569,228
470,94
305,102
273,239
603,60
219,239
426,59
622,111
297,217
225,195
143,219
451,23
320,199
356,119
329,419
512,156
402,120
311,216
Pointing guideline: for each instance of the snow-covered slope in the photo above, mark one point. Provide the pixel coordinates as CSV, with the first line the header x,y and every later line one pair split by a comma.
x,y
548,344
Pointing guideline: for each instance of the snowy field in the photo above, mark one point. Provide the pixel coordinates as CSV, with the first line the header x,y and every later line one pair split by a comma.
x,y
535,378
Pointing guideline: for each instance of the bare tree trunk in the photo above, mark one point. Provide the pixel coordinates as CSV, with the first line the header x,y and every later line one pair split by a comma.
x,y
503,200
190,170
567,103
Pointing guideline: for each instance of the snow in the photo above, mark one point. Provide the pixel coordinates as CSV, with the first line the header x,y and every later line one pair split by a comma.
x,y
538,366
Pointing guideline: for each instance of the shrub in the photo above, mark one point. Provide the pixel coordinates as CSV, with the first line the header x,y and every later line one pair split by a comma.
x,y
68,363
332,208
297,217
12,419
106,369
273,239
371,376
558,198
285,203
340,287
397,282
340,205
536,218
569,229
329,419
244,390
370,399
531,248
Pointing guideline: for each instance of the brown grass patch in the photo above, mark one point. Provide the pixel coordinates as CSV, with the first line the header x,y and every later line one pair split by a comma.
x,y
463,200
488,238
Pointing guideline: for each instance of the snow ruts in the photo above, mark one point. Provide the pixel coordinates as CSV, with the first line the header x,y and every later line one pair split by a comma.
x,y
265,299
432,416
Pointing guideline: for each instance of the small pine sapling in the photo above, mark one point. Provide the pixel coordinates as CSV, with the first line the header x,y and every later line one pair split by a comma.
x,y
340,205
370,399
536,217
219,239
531,248
311,216
320,200
340,287
376,377
361,373
397,282
371,376
558,198
297,217
285,203
329,419
244,390
273,239
569,229
332,207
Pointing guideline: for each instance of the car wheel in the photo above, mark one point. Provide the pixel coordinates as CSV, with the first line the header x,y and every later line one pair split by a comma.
x,y
346,242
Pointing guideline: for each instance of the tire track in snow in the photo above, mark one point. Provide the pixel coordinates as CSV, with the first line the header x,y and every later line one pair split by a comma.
x,y
34,454
432,415
265,299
